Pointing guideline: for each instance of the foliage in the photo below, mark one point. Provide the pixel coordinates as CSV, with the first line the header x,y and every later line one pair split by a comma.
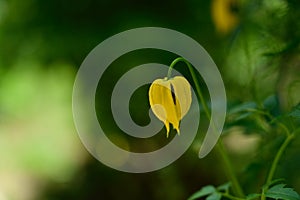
x,y
255,44
279,191
270,113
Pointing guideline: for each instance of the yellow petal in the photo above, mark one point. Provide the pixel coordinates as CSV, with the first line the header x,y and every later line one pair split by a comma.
x,y
167,106
156,99
183,93
224,16
161,101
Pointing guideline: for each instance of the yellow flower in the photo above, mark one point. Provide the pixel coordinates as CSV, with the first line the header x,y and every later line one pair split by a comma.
x,y
170,100
224,15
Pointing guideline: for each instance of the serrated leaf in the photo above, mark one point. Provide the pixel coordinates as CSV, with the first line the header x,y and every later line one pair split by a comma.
x,y
207,190
252,196
225,187
280,192
214,196
276,181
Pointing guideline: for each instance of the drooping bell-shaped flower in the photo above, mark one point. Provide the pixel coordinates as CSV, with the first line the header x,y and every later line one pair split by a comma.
x,y
170,100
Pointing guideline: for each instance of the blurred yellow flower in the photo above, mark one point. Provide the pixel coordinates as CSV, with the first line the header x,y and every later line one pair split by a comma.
x,y
170,100
224,15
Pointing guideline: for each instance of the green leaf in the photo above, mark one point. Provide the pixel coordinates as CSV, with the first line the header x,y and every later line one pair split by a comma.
x,y
240,112
274,182
271,104
295,112
280,192
207,190
242,107
253,196
225,187
214,196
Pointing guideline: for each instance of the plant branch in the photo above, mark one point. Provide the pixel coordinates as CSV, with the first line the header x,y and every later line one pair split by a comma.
x,y
277,158
237,190
229,169
230,196
275,163
194,77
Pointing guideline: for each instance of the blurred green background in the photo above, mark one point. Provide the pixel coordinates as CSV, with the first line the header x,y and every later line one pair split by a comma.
x,y
254,43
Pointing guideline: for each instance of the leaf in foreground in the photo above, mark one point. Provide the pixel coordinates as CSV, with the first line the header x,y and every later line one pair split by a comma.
x,y
214,196
207,190
280,192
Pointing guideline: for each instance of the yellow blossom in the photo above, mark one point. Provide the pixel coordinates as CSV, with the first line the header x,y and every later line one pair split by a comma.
x,y
170,100
224,15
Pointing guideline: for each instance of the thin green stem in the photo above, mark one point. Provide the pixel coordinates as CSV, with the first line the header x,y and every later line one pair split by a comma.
x,y
279,152
229,169
230,196
194,77
237,190
275,163
263,196
277,158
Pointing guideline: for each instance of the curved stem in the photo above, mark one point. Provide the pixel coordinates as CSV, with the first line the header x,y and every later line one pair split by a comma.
x,y
277,158
237,190
279,152
229,169
230,196
194,77
275,164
